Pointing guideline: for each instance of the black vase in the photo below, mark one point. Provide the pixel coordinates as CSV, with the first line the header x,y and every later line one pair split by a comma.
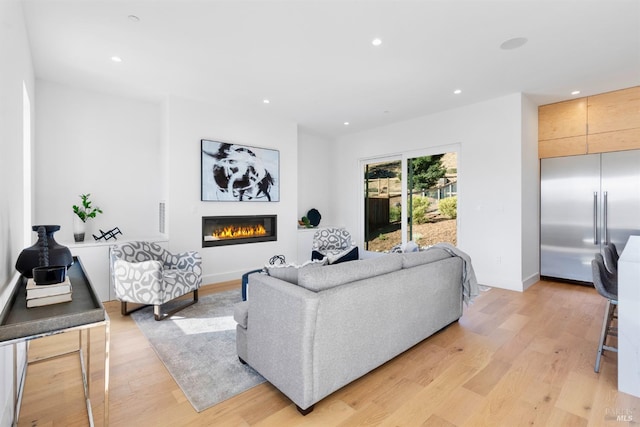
x,y
30,257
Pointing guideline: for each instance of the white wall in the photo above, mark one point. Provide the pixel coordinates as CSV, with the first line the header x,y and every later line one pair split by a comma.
x,y
16,73
110,147
531,195
315,172
188,123
493,189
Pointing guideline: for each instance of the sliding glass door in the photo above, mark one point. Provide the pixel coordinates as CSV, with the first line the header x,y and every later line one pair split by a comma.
x,y
410,198
432,191
382,204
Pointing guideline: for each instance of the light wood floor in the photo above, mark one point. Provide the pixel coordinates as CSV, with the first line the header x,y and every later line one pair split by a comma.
x,y
514,359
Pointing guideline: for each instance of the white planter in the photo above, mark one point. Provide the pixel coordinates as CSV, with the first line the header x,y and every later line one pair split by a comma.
x,y
79,228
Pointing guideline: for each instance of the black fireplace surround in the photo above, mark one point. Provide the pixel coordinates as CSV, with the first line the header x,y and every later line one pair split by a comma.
x,y
239,229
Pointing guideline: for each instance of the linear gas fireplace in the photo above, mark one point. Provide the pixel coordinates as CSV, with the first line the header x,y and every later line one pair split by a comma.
x,y
235,230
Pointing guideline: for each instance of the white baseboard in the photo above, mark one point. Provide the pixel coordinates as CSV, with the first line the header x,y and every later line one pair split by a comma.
x,y
529,281
208,279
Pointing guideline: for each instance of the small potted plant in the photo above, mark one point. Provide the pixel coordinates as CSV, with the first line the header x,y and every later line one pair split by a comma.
x,y
82,214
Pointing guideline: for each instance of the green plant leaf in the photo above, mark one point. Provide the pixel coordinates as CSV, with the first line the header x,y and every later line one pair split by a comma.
x,y
86,211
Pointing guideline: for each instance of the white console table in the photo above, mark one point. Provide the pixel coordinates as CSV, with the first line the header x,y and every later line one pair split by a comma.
x,y
629,318
95,258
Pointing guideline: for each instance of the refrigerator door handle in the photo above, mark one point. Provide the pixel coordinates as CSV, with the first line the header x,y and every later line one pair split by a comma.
x,y
605,237
595,217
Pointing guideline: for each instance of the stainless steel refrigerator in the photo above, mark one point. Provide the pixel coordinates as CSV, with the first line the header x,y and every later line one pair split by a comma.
x,y
586,201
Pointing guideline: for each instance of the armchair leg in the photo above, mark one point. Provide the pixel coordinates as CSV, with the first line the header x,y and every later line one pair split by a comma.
x,y
158,315
125,312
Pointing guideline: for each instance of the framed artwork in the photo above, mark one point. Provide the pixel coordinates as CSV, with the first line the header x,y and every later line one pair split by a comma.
x,y
233,172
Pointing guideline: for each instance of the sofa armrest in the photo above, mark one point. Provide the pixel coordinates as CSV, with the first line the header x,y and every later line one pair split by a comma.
x,y
280,336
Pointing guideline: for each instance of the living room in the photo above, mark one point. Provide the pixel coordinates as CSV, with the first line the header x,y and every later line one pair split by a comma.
x,y
133,152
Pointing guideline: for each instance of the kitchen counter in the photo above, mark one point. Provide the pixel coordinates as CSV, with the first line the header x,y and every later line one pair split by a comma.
x,y
629,318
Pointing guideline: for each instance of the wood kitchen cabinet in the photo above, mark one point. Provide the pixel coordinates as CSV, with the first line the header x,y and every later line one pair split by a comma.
x,y
594,124
614,121
613,111
562,128
621,140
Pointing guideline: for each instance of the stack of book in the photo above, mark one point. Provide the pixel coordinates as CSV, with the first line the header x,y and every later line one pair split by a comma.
x,y
39,295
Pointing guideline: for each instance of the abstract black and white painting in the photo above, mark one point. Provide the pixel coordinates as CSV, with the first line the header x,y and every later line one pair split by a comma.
x,y
233,172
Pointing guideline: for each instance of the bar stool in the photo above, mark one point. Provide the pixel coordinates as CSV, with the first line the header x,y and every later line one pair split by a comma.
x,y
610,255
606,283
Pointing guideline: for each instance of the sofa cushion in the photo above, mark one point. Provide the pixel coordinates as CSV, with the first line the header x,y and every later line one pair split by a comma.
x,y
289,272
413,259
330,276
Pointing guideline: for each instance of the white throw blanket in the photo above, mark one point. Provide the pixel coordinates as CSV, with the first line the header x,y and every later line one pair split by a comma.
x,y
470,288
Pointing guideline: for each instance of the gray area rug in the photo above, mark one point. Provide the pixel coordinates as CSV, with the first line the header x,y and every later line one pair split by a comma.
x,y
198,347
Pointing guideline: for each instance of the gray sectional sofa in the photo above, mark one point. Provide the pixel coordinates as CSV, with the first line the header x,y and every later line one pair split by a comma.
x,y
329,325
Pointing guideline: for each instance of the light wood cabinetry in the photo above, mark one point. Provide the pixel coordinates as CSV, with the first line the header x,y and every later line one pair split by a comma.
x,y
628,139
572,146
614,121
614,111
562,120
562,128
595,124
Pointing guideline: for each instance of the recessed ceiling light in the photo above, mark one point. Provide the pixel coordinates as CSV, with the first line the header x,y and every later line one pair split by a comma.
x,y
133,18
513,43
265,101
457,91
116,59
346,123
575,92
376,42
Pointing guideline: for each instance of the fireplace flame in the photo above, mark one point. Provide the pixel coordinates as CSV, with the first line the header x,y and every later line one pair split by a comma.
x,y
234,232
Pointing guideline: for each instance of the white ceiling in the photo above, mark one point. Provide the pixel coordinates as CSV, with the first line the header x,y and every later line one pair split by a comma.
x,y
314,61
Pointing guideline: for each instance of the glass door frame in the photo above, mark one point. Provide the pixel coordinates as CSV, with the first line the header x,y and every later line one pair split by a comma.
x,y
364,191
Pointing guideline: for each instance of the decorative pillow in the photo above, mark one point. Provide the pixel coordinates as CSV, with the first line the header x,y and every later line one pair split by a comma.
x,y
316,256
330,239
410,246
350,254
289,272
337,256
397,249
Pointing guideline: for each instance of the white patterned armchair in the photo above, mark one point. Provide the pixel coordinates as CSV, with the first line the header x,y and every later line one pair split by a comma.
x,y
335,244
146,273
